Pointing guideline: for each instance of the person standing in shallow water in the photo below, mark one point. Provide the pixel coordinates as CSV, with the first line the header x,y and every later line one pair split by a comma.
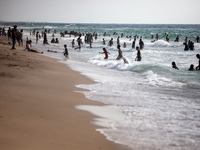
x,y
66,51
138,57
141,43
105,52
45,37
119,53
198,67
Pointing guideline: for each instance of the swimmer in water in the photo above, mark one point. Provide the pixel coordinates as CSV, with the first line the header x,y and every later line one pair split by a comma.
x,y
105,52
174,65
191,67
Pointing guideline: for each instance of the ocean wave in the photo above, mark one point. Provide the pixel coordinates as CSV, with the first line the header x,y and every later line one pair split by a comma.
x,y
159,43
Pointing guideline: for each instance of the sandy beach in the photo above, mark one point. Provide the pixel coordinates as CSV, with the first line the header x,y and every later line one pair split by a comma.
x,y
37,100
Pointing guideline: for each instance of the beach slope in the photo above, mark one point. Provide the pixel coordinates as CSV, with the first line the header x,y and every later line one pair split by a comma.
x,y
37,102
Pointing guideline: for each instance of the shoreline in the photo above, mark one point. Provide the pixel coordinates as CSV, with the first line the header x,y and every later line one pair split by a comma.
x,y
37,105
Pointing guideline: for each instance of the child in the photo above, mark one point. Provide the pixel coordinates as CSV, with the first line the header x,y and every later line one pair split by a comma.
x,y
105,52
66,51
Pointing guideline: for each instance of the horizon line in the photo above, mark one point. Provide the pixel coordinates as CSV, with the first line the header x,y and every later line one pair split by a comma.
x,y
98,23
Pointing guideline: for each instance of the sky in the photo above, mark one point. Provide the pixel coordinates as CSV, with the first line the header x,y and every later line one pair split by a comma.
x,y
102,11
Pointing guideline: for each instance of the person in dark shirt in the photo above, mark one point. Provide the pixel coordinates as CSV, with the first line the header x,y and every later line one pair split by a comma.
x,y
198,67
141,43
138,57
66,51
186,46
14,35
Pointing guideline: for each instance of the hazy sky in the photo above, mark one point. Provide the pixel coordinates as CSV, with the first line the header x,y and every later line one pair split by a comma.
x,y
102,11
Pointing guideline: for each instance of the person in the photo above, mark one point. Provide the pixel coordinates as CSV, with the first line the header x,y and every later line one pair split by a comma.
x,y
174,65
91,41
73,43
124,44
191,67
133,43
167,38
104,42
191,45
14,35
138,57
57,41
53,40
79,43
118,42
105,52
119,53
186,46
18,37
141,43
157,37
110,42
66,51
52,51
28,47
177,39
197,39
186,39
45,41
9,33
198,67
37,36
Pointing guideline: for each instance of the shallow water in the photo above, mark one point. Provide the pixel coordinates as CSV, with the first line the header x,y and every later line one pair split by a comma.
x,y
161,105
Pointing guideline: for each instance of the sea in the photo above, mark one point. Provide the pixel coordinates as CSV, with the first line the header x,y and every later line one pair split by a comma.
x,y
148,104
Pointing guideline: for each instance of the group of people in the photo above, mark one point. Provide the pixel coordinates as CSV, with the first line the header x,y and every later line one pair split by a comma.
x,y
191,66
54,40
17,35
120,56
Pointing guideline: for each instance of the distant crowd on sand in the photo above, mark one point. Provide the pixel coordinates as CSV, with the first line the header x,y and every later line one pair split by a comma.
x,y
17,35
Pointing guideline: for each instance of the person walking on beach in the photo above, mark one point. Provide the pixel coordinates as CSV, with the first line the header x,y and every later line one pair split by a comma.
x,y
66,51
119,53
14,35
138,57
105,52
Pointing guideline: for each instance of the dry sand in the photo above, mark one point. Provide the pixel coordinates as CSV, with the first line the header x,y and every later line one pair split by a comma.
x,y
37,102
